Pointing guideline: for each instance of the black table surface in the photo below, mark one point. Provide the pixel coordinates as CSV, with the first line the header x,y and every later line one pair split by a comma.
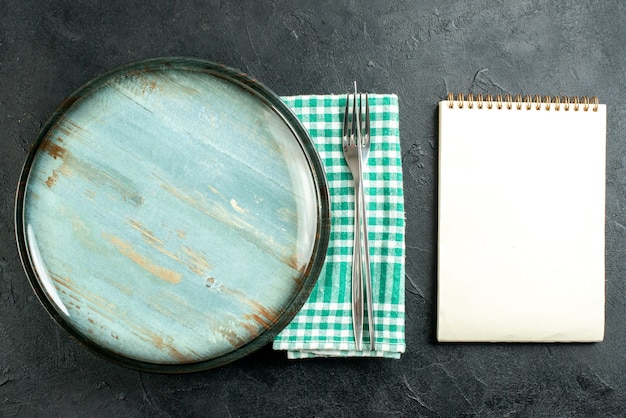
x,y
419,50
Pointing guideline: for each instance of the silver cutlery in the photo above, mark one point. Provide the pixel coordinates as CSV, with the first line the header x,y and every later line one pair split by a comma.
x,y
356,144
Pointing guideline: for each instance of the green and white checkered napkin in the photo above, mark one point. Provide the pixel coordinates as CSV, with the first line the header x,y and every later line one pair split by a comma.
x,y
323,327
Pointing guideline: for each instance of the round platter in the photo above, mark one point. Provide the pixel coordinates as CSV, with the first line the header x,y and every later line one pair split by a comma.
x,y
173,215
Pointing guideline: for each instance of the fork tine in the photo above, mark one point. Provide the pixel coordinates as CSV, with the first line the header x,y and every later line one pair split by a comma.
x,y
360,140
346,120
356,120
366,130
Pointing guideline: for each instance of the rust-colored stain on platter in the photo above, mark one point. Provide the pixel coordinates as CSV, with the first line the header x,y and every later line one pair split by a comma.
x,y
53,149
127,250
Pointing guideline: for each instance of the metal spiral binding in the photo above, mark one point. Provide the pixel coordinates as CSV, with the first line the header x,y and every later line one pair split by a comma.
x,y
527,102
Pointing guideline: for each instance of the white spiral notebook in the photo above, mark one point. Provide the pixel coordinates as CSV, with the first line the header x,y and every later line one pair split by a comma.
x,y
521,219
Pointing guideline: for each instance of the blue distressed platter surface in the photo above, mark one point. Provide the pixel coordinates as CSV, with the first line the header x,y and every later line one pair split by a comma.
x,y
173,215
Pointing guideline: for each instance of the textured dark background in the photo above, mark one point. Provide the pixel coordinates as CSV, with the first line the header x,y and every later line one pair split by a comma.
x,y
417,49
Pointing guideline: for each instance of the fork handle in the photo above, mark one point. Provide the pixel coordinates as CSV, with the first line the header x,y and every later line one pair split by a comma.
x,y
357,271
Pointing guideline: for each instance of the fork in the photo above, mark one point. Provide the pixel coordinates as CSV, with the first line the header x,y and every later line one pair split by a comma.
x,y
356,143
352,156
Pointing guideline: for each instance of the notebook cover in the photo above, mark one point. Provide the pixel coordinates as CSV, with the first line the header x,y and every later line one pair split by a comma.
x,y
521,224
